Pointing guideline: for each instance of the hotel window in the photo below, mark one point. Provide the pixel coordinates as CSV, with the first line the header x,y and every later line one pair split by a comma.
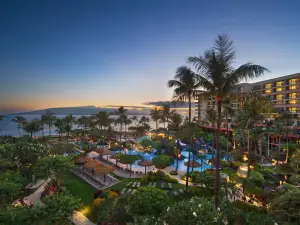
x,y
279,99
293,102
293,95
293,81
268,86
278,89
292,87
293,110
279,84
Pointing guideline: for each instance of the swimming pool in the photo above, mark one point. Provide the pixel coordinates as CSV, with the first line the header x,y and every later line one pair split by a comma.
x,y
181,166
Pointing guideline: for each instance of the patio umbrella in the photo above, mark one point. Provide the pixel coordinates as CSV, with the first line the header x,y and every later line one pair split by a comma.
x,y
82,159
104,170
145,164
193,164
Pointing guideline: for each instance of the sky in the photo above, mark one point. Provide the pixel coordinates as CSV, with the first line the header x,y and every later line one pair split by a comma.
x,y
71,53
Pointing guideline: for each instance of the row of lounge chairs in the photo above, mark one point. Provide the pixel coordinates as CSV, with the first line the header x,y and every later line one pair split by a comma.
x,y
92,181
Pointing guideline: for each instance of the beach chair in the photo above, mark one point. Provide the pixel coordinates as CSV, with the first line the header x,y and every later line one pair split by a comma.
x,y
175,193
170,185
181,191
133,191
162,185
128,184
123,190
128,191
138,184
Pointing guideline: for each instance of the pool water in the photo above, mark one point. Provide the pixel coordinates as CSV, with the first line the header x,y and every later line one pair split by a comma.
x,y
181,166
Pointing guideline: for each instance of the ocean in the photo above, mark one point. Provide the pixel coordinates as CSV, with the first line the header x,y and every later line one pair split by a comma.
x,y
8,127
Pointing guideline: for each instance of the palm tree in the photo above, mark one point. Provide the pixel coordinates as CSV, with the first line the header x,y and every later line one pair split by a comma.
x,y
186,84
155,114
176,121
166,115
103,120
49,118
228,112
211,119
135,119
121,112
32,127
218,77
286,119
20,120
126,121
59,124
82,122
251,112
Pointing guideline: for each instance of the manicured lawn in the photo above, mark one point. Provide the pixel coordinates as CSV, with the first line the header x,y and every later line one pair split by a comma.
x,y
78,187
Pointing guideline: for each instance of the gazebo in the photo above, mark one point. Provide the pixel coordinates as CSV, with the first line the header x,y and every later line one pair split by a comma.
x,y
92,164
145,164
104,170
82,160
102,151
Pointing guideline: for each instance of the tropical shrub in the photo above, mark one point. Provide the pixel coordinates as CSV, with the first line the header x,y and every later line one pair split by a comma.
x,y
295,179
285,208
256,177
147,201
162,161
158,176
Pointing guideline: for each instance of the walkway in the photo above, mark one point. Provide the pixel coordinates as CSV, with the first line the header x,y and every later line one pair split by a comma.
x,y
79,219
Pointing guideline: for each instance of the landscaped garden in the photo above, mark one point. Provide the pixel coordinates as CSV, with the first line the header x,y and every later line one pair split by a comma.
x,y
186,172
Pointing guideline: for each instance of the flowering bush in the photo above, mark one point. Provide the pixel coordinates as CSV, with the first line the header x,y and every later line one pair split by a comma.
x,y
98,201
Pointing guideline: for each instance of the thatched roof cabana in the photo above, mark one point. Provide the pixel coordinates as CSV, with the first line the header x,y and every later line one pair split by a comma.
x,y
145,164
82,160
92,164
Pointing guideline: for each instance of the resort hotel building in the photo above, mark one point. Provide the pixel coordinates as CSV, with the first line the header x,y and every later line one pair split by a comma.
x,y
283,92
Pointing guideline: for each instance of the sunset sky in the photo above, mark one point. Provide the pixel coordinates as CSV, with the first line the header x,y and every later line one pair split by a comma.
x,y
71,53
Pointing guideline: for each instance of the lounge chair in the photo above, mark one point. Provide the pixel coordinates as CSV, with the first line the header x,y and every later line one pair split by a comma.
x,y
133,191
181,191
162,185
154,184
134,184
128,184
123,190
175,193
128,191
138,184
170,185
150,184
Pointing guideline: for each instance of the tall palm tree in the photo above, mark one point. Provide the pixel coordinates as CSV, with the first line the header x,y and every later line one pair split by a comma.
x,y
176,121
102,120
59,124
155,114
251,112
126,121
228,113
120,112
186,84
20,120
49,118
135,119
218,77
32,127
166,114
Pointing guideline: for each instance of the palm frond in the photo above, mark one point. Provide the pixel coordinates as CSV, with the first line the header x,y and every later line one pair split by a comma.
x,y
224,49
